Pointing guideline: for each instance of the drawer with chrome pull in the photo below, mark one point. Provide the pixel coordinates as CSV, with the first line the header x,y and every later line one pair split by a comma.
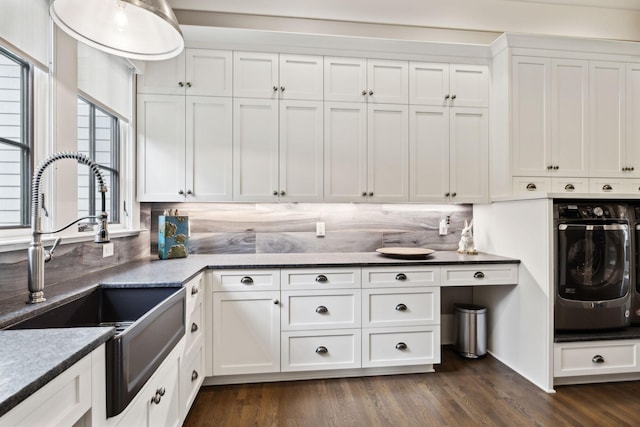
x,y
247,280
194,325
384,277
480,274
304,310
417,345
334,278
400,307
318,350
595,357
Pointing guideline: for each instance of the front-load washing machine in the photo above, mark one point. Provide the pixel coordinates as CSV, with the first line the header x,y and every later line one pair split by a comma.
x,y
592,265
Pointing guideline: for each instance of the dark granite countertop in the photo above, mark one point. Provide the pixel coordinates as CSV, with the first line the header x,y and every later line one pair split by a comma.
x,y
630,333
31,358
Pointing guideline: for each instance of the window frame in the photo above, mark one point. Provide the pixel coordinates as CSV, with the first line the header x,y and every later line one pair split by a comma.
x,y
27,149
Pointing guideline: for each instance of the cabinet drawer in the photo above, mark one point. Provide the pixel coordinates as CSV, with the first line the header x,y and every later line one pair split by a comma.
x,y
303,310
400,346
318,350
570,185
195,324
195,289
480,274
595,357
191,377
531,184
246,280
607,185
335,278
384,277
401,307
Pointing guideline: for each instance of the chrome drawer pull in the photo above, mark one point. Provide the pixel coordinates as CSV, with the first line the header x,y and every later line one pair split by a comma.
x,y
531,186
322,350
194,375
321,278
607,187
321,309
569,187
597,359
401,276
194,327
401,346
478,275
194,290
246,280
156,399
401,307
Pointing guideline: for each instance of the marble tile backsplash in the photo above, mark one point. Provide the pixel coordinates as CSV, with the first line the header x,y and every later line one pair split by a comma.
x,y
291,227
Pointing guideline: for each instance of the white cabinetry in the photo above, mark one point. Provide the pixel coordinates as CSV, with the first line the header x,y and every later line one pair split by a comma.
x,y
401,325
366,152
366,80
580,359
448,85
184,135
246,322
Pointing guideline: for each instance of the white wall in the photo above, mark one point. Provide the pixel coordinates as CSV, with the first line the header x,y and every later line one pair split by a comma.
x,y
519,317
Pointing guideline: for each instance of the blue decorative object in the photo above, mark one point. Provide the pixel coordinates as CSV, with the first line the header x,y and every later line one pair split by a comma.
x,y
173,236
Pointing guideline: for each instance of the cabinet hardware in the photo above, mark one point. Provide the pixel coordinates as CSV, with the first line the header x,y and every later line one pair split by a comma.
x,y
321,309
189,192
478,275
401,346
556,167
569,187
401,307
371,194
550,167
194,290
188,84
194,375
401,276
364,92
321,278
246,280
446,194
453,97
180,84
275,192
161,391
156,398
282,88
322,350
607,187
282,193
454,194
370,93
624,169
597,359
194,327
276,302
364,194
180,192
531,186
275,88
446,97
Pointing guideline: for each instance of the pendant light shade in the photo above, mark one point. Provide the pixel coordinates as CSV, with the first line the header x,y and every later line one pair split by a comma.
x,y
137,29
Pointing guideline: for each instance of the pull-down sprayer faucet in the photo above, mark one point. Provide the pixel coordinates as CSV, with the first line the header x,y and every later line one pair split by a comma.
x,y
37,254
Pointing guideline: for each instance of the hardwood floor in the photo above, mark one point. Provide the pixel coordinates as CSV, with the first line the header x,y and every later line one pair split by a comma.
x,y
462,392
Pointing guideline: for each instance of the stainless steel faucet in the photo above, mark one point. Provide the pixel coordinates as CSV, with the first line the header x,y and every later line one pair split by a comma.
x,y
37,254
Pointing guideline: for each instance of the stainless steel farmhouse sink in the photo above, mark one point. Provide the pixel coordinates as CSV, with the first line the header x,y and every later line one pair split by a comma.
x,y
149,322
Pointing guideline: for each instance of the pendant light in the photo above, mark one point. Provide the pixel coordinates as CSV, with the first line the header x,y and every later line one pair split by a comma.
x,y
137,29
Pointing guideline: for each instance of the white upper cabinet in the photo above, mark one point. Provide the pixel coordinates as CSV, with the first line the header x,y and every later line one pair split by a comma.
x,y
274,76
549,107
632,146
202,72
366,152
366,80
448,85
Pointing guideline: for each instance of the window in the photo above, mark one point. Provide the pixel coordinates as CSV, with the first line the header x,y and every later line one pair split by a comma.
x,y
15,140
98,139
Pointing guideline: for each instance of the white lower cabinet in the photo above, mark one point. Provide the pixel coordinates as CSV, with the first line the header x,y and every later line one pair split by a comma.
x,y
317,350
415,345
573,359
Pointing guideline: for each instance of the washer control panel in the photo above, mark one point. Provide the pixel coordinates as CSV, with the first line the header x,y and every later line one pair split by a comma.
x,y
590,211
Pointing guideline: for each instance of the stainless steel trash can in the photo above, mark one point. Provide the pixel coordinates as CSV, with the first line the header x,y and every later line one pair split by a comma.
x,y
471,330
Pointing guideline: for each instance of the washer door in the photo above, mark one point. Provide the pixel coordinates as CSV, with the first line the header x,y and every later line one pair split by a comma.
x,y
593,261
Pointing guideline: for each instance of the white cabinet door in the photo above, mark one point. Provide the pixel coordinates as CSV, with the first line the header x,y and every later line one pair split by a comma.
x,y
632,153
388,81
204,72
388,153
345,79
301,77
209,148
301,151
246,332
163,77
569,101
428,153
164,408
345,155
429,83
469,86
607,118
255,149
255,75
469,151
531,115
208,72
161,148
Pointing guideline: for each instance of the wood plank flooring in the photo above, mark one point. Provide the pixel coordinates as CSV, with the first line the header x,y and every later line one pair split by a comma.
x,y
462,392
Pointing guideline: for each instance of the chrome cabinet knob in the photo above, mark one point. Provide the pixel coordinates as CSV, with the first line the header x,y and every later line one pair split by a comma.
x,y
180,84
321,309
194,327
454,194
275,88
370,93
194,290
446,97
282,88
188,84
189,192
364,92
246,280
194,375
371,194
364,194
282,193
275,192
453,97
181,192
447,194
276,302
